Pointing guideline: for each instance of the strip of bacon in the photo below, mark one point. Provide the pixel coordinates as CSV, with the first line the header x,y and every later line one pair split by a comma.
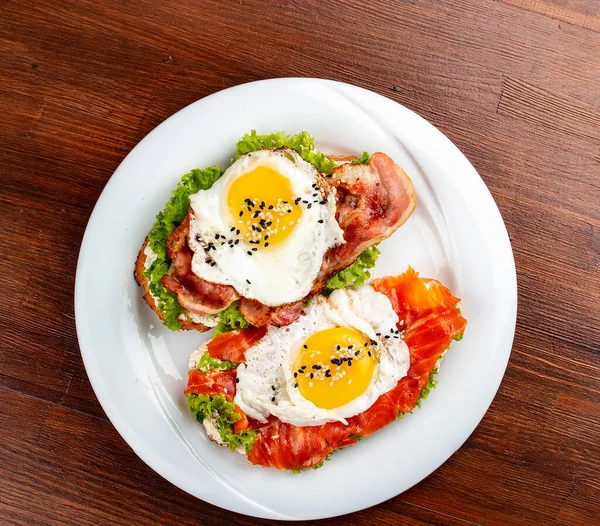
x,y
434,321
231,346
375,200
213,383
193,293
258,314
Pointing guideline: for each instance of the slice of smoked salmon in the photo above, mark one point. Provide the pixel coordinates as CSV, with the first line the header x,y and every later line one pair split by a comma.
x,y
231,346
428,313
285,446
212,383
413,297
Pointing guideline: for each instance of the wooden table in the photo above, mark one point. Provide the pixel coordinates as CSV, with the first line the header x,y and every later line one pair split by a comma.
x,y
515,84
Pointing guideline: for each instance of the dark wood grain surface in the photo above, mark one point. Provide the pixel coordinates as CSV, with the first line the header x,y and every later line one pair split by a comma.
x,y
514,83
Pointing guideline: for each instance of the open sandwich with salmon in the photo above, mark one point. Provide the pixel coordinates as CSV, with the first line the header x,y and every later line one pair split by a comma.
x,y
274,252
352,363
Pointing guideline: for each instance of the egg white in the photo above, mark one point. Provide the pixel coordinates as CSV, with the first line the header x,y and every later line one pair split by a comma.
x,y
268,370
285,272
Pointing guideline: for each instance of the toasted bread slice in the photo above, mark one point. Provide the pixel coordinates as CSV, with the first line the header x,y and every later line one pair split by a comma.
x,y
140,266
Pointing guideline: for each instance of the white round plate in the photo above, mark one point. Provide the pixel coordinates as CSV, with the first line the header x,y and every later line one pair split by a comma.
x,y
138,368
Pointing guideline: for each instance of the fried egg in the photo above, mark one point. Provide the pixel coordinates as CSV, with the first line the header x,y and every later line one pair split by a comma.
x,y
264,227
331,364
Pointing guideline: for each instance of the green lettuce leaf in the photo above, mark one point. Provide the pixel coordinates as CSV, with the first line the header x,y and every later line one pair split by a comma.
x,y
206,363
363,159
356,274
231,318
224,414
431,384
166,222
302,142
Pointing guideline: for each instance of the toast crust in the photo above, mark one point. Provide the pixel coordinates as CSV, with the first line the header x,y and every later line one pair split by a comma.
x,y
142,281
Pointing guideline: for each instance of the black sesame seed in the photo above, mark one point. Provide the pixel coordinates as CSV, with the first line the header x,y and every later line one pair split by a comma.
x,y
237,231
248,281
369,353
236,241
349,363
356,353
327,373
271,207
314,366
237,380
311,376
303,367
254,249
308,205
273,387
285,202
295,385
241,213
266,244
198,238
324,202
387,336
273,399
366,344
305,346
320,221
315,195
377,334
350,346
249,253
256,214
295,375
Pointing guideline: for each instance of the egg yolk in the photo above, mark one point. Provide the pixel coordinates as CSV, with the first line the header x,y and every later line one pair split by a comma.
x,y
263,207
334,367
